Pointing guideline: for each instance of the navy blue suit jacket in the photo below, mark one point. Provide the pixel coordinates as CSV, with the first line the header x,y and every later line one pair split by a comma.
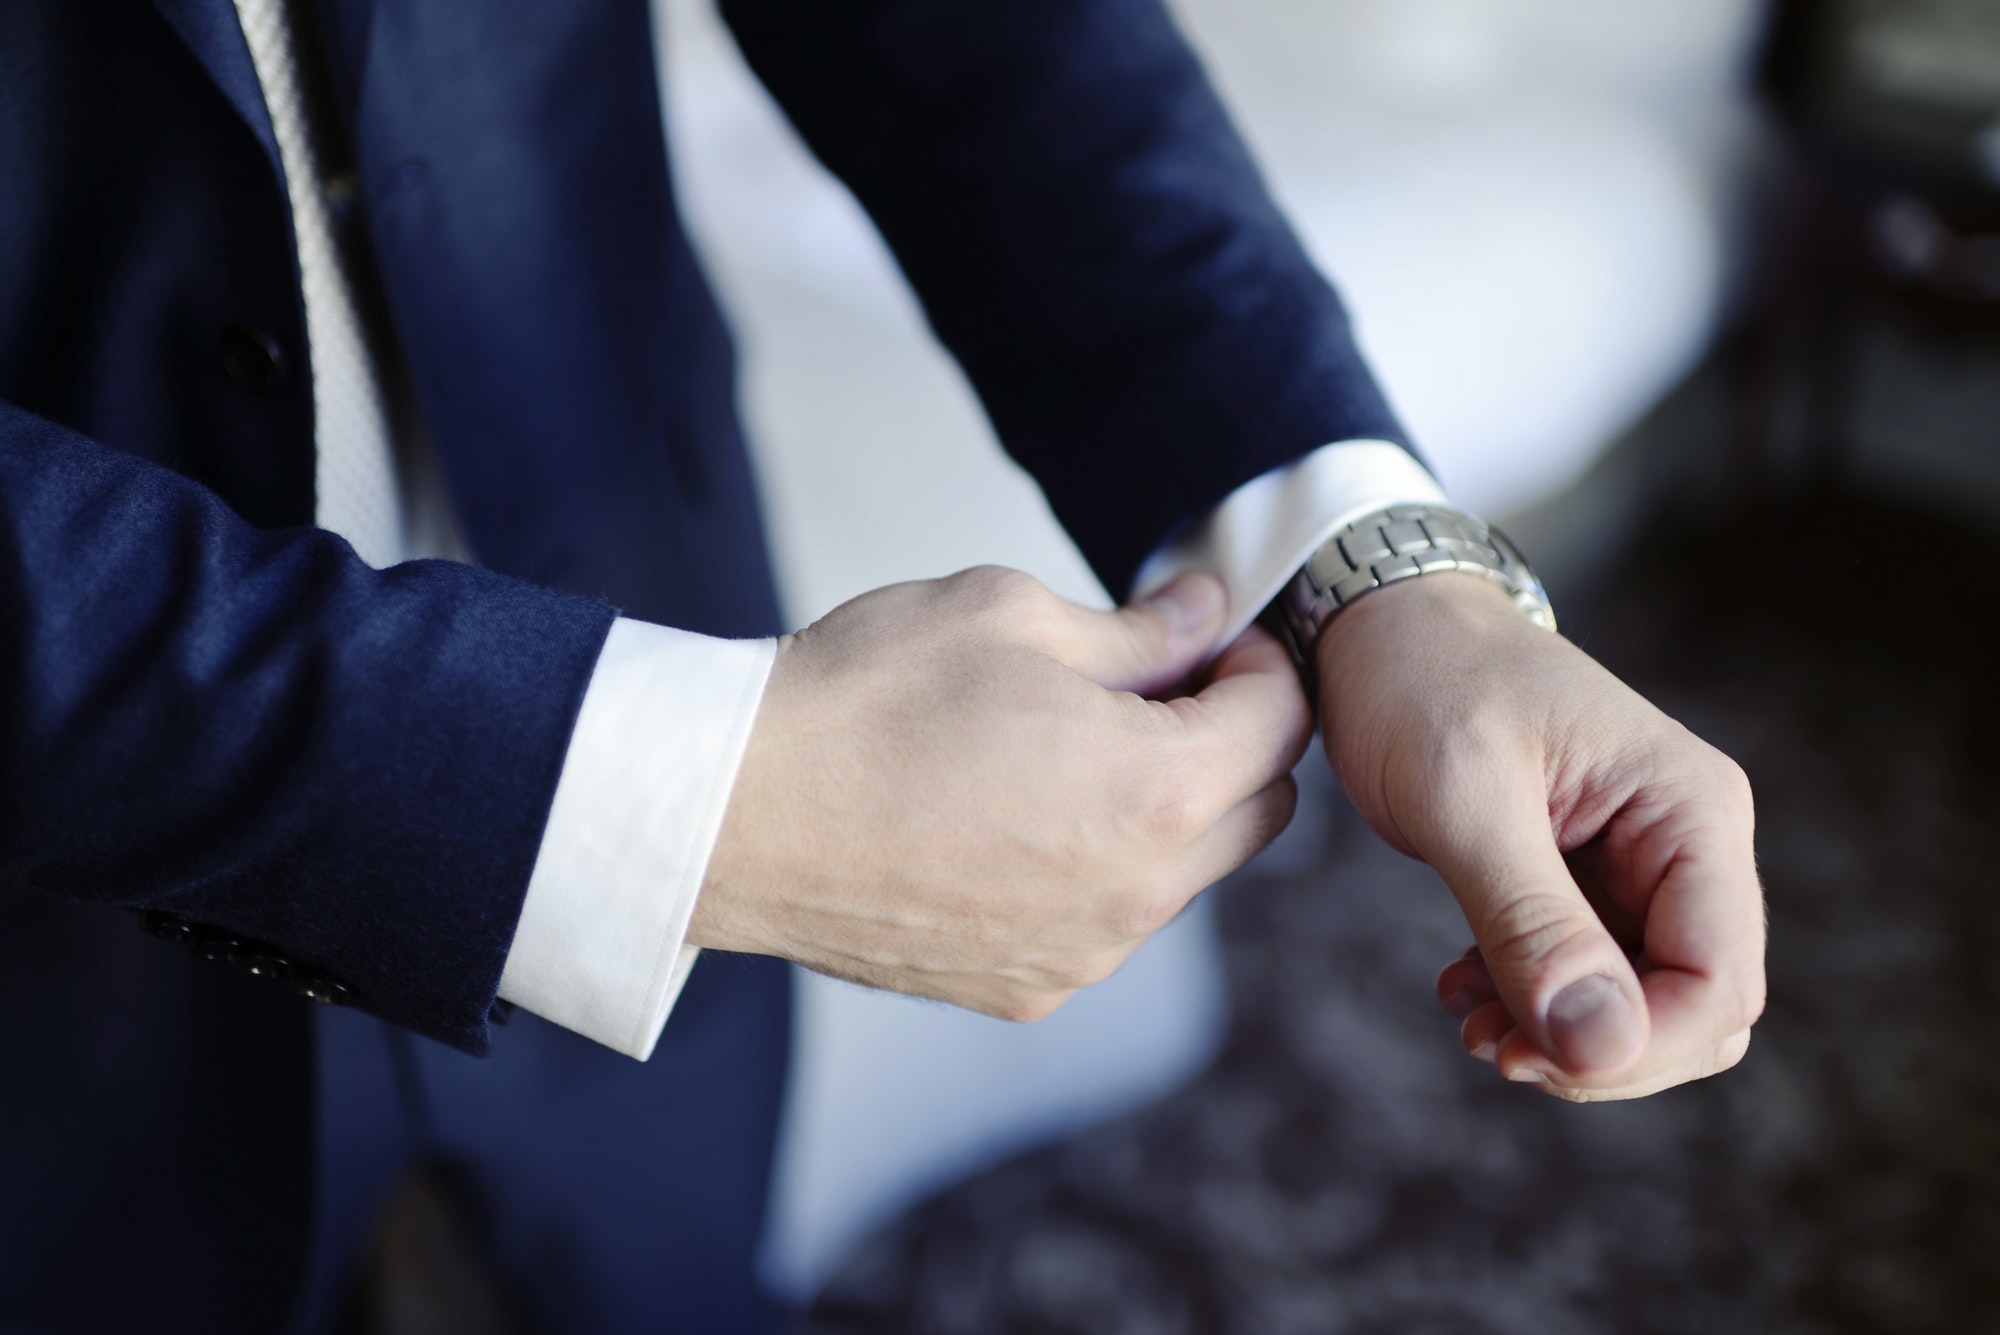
x,y
208,707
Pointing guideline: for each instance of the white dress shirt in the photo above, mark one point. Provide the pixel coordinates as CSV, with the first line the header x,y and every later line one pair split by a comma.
x,y
600,947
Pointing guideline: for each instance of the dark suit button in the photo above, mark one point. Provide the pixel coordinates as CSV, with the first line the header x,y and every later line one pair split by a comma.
x,y
326,991
260,964
169,926
253,359
259,959
211,943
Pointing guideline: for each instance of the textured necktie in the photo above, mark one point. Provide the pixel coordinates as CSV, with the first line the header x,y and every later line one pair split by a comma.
x,y
354,472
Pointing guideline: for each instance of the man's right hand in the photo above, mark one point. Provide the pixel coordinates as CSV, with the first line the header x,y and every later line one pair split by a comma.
x,y
956,789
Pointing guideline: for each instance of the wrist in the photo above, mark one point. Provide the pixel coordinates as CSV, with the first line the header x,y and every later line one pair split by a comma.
x,y
1391,547
1452,603
731,912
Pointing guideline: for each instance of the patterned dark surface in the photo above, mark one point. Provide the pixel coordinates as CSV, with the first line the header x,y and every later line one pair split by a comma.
x,y
1342,1168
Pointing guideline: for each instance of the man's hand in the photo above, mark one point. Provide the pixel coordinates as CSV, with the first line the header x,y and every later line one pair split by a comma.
x,y
1601,852
955,788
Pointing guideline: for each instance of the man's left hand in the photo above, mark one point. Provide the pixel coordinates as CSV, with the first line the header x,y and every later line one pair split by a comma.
x,y
1601,852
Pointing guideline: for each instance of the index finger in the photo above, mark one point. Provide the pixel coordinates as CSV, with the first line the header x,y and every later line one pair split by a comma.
x,y
1250,722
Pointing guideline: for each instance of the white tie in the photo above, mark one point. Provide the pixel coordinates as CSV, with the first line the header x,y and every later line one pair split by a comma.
x,y
354,473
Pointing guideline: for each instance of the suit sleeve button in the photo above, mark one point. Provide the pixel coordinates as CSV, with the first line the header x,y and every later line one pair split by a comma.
x,y
260,964
326,991
217,946
169,926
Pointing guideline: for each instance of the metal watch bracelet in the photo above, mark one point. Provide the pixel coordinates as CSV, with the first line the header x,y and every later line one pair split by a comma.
x,y
1390,545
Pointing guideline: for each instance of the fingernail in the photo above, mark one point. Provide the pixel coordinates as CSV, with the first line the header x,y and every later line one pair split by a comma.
x,y
1189,602
1527,1075
1592,1023
1462,1003
1486,1051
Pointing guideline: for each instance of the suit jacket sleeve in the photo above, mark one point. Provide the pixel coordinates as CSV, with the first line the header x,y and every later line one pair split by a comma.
x,y
255,730
1088,236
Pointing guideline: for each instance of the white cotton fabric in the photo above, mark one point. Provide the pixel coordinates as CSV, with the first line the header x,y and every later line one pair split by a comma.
x,y
1262,533
600,948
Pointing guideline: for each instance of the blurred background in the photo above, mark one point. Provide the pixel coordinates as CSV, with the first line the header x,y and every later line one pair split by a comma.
x,y
1701,298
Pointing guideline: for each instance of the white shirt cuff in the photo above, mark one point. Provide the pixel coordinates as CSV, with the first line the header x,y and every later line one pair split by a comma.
x,y
1262,533
600,947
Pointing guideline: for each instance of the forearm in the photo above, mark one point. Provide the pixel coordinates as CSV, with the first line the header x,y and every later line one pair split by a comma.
x,y
1089,237
256,731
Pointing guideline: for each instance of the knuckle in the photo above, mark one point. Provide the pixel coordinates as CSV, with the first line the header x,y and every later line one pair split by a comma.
x,y
1138,912
1525,930
1732,781
1073,974
1099,967
1001,594
1174,812
1029,1007
1727,1055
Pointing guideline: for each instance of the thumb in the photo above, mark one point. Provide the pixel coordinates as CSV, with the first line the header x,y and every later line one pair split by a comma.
x,y
1151,645
1562,977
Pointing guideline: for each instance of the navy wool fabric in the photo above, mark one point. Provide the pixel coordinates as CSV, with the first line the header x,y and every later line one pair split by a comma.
x,y
208,707
253,729
1090,239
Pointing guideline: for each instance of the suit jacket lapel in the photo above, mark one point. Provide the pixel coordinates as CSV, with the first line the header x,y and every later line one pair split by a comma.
x,y
210,30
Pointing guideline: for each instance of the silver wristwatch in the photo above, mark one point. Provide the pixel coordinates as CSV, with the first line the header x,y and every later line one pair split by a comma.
x,y
1384,546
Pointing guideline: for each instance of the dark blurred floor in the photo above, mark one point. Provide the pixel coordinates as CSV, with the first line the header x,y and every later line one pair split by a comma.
x,y
1343,1168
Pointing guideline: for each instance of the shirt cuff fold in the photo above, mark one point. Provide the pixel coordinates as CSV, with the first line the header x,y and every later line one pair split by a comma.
x,y
600,948
1262,533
